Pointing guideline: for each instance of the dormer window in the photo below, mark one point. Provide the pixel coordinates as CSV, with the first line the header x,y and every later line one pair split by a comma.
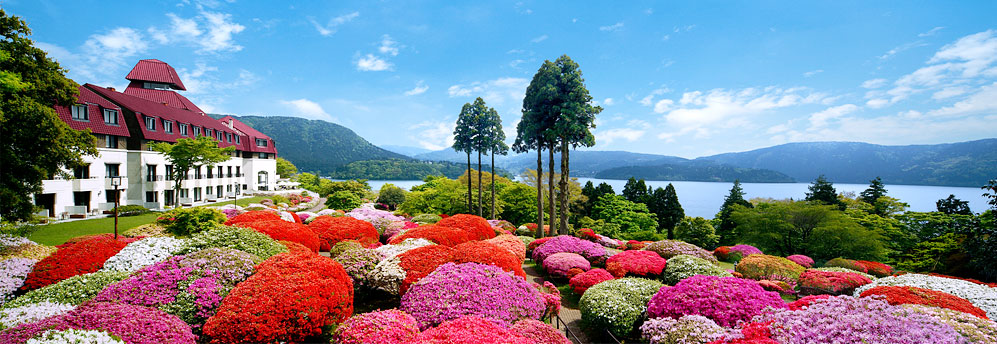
x,y
168,126
197,131
110,117
228,137
155,86
150,123
80,112
237,140
261,143
183,128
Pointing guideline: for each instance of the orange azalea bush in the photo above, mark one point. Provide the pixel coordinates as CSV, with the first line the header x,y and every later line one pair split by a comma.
x,y
333,230
476,226
440,235
283,230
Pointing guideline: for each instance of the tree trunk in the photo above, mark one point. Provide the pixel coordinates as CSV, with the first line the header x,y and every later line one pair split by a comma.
x,y
564,187
550,187
470,206
493,185
479,184
540,193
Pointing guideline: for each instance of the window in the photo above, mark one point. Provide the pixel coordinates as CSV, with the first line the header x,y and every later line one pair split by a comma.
x,y
150,123
169,171
230,171
228,136
237,173
168,126
208,132
211,173
218,191
261,178
197,194
111,170
111,117
221,136
155,86
150,175
220,172
197,131
261,143
111,140
80,112
81,172
237,140
151,196
183,128
263,155
197,172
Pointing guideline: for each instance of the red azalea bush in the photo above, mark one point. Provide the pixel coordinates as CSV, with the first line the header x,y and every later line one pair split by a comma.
x,y
487,253
253,216
440,235
539,332
640,263
635,245
807,301
572,272
536,243
830,282
847,264
587,234
80,258
899,295
291,298
476,226
512,244
876,268
470,330
582,282
420,262
616,269
763,266
722,253
558,264
336,229
283,230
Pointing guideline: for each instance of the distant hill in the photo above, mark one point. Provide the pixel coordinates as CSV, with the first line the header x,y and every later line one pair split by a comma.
x,y
699,172
406,150
584,163
394,169
970,163
316,146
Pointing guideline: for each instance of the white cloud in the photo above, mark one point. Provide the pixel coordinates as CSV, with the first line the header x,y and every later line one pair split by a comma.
x,y
539,39
874,83
434,135
949,92
615,27
372,63
977,50
649,99
877,103
608,136
220,30
420,88
330,28
902,48
211,32
496,92
388,46
663,105
307,109
931,32
636,123
984,101
107,52
812,73
819,119
609,101
696,112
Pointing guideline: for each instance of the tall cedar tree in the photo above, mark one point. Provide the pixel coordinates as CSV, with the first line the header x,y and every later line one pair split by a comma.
x,y
463,141
821,190
189,153
34,143
874,192
665,204
588,191
635,190
727,225
481,140
952,205
495,145
576,118
538,107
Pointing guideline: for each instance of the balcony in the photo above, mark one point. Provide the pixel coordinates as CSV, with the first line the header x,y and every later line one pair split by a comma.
x,y
154,178
86,184
108,186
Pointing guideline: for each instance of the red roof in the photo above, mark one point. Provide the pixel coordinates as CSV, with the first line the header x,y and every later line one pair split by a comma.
x,y
155,71
253,134
95,111
171,98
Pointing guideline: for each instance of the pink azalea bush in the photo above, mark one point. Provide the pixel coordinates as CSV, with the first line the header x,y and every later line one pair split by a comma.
x,y
539,332
726,300
744,250
470,330
804,261
583,281
569,244
483,290
558,264
390,326
133,324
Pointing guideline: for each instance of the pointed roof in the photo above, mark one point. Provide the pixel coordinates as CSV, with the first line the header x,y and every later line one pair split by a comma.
x,y
168,97
156,71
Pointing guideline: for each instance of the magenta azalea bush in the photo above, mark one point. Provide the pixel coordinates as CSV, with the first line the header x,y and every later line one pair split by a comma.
x,y
558,264
745,250
804,261
456,290
133,324
726,300
539,332
379,327
569,244
670,248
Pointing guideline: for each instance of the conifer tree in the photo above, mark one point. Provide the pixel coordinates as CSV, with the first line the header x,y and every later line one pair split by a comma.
x,y
727,226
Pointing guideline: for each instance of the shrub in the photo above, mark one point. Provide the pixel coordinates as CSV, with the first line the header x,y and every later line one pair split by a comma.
x,y
689,329
187,221
974,329
131,210
13,272
836,269
283,230
726,300
426,218
745,250
420,262
806,301
379,327
470,330
358,263
389,251
14,316
761,266
804,261
146,230
899,295
387,276
440,235
483,290
539,332
253,216
583,281
558,264
981,296
536,243
722,253
336,229
640,263
876,268
291,297
830,282
670,248
143,326
343,200
75,336
845,319
847,264
487,253
242,239
81,258
683,266
568,244
143,253
476,226
512,244
617,305
71,291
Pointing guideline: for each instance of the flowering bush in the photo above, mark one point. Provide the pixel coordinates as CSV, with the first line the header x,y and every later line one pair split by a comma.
x,y
568,244
358,263
143,326
744,250
830,282
689,329
487,253
726,300
683,266
582,282
670,248
71,291
552,298
539,332
876,268
753,333
558,264
335,229
367,213
146,230
291,297
420,262
11,317
804,261
283,230
75,336
143,253
640,263
389,251
587,234
992,285
426,218
512,244
397,228
187,221
898,295
387,276
974,329
806,301
847,264
13,272
84,257
29,250
617,305
533,244
379,327
8,241
837,269
761,266
845,319
253,216
980,295
483,290
476,226
238,238
722,253
438,234
470,330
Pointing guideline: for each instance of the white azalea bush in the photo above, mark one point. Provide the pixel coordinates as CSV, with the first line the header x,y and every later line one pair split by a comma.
x,y
684,266
387,276
617,305
10,317
390,251
979,295
689,329
72,291
143,253
75,337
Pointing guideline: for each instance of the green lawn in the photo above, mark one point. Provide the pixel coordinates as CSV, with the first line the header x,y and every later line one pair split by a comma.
x,y
58,233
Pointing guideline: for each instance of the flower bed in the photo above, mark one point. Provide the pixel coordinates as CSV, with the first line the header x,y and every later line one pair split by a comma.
x,y
558,264
144,326
981,296
876,268
813,282
71,291
336,229
483,290
30,251
804,261
617,305
487,253
440,235
10,317
283,230
84,257
476,226
683,266
13,272
689,329
379,327
726,300
470,330
539,332
143,253
238,238
583,281
568,244
670,248
974,329
253,216
847,264
898,295
761,266
640,263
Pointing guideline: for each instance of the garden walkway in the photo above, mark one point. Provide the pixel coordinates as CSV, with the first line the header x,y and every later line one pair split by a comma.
x,y
320,206
570,316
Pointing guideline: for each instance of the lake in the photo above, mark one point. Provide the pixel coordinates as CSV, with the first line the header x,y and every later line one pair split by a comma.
x,y
705,198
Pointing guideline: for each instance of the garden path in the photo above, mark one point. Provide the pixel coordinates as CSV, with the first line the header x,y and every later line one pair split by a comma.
x,y
320,206
570,316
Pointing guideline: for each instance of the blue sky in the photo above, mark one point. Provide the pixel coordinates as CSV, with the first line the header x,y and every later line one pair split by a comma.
x,y
677,78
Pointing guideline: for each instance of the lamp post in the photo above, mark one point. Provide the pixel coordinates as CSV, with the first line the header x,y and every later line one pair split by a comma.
x,y
235,194
116,182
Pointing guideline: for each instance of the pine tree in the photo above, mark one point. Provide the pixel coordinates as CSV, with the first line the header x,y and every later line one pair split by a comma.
x,y
635,190
727,226
672,212
576,116
952,205
822,191
464,142
874,192
538,118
